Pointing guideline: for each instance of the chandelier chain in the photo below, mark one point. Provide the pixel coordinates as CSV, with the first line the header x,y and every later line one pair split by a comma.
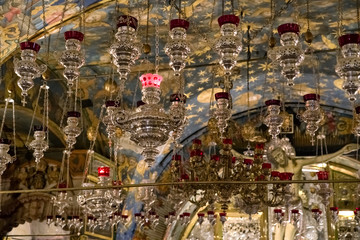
x,y
358,15
4,115
307,15
340,18
14,126
61,24
29,22
23,21
157,50
33,117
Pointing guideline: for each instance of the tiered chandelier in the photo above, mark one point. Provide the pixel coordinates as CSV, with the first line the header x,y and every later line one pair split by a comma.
x,y
313,114
102,205
348,65
225,167
229,45
273,119
27,68
289,55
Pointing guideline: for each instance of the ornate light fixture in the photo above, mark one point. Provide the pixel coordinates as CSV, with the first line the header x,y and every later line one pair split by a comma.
x,y
178,48
41,137
149,125
40,143
222,111
289,54
325,190
126,50
273,120
348,65
27,68
110,127
225,167
313,115
62,201
178,115
72,58
72,130
229,45
101,204
147,218
5,157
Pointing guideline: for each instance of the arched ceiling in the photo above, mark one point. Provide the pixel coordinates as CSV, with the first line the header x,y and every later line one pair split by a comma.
x,y
24,20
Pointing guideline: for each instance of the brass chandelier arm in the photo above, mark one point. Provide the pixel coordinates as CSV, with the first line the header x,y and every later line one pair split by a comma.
x,y
179,183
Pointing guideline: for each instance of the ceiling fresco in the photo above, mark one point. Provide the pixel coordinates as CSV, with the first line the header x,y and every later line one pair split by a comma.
x,y
201,74
23,20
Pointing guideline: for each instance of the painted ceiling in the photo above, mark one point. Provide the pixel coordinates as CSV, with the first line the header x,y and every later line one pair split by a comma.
x,y
24,20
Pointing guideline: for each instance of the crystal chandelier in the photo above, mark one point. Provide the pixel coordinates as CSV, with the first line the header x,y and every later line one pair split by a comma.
x,y
178,115
176,194
5,157
101,204
289,54
39,144
126,50
41,137
211,217
147,217
258,170
286,227
225,167
324,191
149,125
229,45
222,111
348,66
178,48
273,120
72,129
27,68
62,201
72,58
313,115
110,127
71,223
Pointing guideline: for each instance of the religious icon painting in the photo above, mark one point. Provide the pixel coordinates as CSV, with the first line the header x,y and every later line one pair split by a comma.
x,y
288,124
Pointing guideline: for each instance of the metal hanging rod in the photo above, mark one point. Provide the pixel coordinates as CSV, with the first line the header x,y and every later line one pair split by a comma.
x,y
179,183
